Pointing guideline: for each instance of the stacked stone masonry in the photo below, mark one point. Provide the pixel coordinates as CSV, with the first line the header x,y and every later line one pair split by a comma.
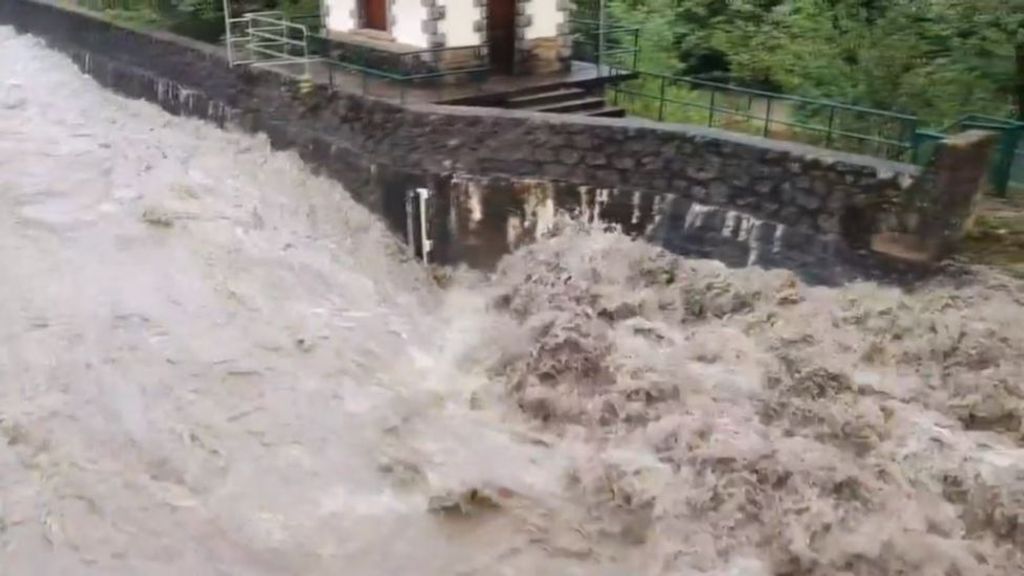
x,y
845,197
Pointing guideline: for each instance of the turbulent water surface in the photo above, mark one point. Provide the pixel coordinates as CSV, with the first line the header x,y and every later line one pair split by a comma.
x,y
214,362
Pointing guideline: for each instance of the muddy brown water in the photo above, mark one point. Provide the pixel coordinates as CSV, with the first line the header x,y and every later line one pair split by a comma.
x,y
214,362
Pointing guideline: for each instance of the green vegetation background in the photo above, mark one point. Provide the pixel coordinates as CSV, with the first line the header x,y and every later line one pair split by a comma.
x,y
937,59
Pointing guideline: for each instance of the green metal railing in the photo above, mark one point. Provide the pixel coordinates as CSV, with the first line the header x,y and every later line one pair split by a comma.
x,y
1006,169
1008,148
620,52
614,49
834,125
402,68
1017,170
272,38
825,123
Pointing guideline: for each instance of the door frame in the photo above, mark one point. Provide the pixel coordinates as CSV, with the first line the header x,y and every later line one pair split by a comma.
x,y
513,32
363,8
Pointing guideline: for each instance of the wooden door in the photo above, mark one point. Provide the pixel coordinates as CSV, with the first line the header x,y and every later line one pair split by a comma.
x,y
375,14
501,35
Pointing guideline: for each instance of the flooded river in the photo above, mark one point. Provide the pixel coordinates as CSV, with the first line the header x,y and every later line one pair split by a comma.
x,y
214,362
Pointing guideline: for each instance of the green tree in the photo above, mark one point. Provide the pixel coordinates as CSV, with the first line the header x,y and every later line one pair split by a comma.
x,y
988,42
938,59
654,18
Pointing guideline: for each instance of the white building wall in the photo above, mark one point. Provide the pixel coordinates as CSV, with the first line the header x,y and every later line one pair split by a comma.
x,y
457,26
339,14
545,18
408,17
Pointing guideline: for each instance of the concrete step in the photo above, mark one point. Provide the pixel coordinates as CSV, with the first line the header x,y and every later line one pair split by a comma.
x,y
584,104
546,98
607,112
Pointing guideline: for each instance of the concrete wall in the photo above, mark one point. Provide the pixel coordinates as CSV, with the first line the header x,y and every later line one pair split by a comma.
x,y
545,45
459,23
545,17
407,18
341,15
813,208
494,215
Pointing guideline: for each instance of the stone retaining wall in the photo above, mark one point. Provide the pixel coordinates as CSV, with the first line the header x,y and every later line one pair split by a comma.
x,y
840,200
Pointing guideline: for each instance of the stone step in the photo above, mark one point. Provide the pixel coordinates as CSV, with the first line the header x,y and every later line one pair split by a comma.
x,y
607,112
546,98
585,104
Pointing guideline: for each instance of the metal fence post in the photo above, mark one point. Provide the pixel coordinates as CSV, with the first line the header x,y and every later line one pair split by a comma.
x,y
711,109
831,121
636,49
767,118
227,32
661,101
910,136
1003,165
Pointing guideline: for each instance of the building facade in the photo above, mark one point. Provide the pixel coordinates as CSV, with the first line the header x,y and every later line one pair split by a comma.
x,y
513,36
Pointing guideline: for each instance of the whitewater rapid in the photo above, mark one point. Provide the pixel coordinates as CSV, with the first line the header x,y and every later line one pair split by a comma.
x,y
214,362
208,356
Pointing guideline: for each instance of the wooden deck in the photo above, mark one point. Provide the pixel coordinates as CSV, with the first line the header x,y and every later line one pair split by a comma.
x,y
451,90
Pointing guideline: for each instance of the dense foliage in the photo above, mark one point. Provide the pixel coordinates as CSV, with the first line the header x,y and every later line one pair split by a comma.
x,y
938,59
200,19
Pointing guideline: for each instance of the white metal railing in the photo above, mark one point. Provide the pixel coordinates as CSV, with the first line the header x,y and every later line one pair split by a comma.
x,y
267,39
237,38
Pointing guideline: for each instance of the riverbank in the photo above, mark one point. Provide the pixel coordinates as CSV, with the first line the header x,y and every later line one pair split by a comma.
x,y
813,211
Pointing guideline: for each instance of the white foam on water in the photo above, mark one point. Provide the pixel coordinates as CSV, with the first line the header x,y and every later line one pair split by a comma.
x,y
213,362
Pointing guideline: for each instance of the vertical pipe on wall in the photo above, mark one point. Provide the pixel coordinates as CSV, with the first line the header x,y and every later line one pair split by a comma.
x,y
410,222
425,244
227,31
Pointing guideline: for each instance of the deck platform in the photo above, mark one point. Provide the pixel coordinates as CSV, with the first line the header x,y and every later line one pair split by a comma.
x,y
456,90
